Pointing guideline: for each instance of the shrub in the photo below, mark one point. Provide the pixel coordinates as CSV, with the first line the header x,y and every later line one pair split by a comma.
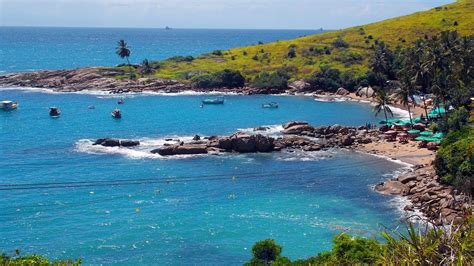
x,y
273,80
226,78
217,52
264,252
291,52
457,119
340,43
255,57
327,79
349,58
180,58
454,161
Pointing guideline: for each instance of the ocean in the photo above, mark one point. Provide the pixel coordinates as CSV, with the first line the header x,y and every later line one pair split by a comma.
x,y
147,209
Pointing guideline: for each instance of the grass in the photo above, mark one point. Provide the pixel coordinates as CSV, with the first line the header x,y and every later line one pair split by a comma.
x,y
400,31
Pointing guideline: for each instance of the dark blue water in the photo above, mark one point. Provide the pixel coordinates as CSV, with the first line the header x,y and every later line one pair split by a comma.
x,y
30,48
202,216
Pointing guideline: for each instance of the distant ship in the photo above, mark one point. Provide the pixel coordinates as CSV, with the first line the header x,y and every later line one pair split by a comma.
x,y
167,28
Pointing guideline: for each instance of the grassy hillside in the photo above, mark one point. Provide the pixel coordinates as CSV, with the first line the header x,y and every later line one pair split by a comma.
x,y
316,50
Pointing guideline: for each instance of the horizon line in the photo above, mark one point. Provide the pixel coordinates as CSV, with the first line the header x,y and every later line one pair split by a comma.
x,y
163,28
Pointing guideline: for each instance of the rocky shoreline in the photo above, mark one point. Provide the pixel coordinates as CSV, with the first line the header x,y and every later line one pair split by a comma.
x,y
440,203
105,79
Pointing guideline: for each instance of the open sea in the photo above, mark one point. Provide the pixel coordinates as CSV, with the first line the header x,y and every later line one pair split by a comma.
x,y
178,210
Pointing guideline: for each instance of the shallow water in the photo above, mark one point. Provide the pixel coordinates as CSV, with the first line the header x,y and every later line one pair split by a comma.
x,y
186,210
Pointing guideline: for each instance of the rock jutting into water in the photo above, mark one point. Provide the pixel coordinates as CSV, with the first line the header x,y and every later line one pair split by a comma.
x,y
439,202
106,79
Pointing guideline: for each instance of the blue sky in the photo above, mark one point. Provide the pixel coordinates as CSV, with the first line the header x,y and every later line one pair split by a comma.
x,y
241,14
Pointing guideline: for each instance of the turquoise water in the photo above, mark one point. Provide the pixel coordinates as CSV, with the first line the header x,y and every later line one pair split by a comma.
x,y
202,215
34,48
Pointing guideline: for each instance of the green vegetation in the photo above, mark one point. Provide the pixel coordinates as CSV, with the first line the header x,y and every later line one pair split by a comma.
x,y
431,245
455,159
272,80
18,260
308,54
226,78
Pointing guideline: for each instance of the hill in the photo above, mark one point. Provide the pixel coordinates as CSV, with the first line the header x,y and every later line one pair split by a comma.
x,y
346,50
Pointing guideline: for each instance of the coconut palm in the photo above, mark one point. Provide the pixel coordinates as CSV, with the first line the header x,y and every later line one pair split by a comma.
x,y
123,51
146,68
382,101
405,93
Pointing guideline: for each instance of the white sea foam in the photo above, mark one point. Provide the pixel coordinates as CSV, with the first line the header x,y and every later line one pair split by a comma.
x,y
305,156
143,151
268,130
106,93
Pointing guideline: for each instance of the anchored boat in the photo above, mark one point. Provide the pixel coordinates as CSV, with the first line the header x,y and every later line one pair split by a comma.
x,y
117,114
9,105
54,112
217,100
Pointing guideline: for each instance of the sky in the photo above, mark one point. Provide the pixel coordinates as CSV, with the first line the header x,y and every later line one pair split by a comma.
x,y
234,14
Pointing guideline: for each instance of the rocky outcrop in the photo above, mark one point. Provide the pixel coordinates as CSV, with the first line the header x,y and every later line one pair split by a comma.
x,y
439,202
107,142
111,80
299,86
367,92
342,92
186,149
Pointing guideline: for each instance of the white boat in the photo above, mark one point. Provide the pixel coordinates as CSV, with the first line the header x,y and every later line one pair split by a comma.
x,y
9,105
271,105
217,100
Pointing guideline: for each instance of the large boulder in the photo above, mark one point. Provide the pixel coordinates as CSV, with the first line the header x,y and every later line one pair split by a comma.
x,y
298,129
187,149
264,143
107,142
347,141
294,123
224,143
342,92
367,92
299,86
244,143
129,143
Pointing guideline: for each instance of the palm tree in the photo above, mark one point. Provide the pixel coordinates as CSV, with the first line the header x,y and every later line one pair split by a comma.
x,y
146,67
405,93
382,104
123,51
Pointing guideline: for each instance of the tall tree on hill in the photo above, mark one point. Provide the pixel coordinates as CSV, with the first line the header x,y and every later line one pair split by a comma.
x,y
123,51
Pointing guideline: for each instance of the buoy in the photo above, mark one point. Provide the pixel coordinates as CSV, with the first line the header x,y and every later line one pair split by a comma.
x,y
137,210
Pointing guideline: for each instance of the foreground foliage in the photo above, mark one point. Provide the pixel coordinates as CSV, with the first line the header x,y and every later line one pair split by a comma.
x,y
17,259
455,159
430,245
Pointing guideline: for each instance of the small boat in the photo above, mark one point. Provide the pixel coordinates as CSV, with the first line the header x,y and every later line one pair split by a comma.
x,y
271,105
217,100
54,112
91,107
9,105
117,114
121,101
